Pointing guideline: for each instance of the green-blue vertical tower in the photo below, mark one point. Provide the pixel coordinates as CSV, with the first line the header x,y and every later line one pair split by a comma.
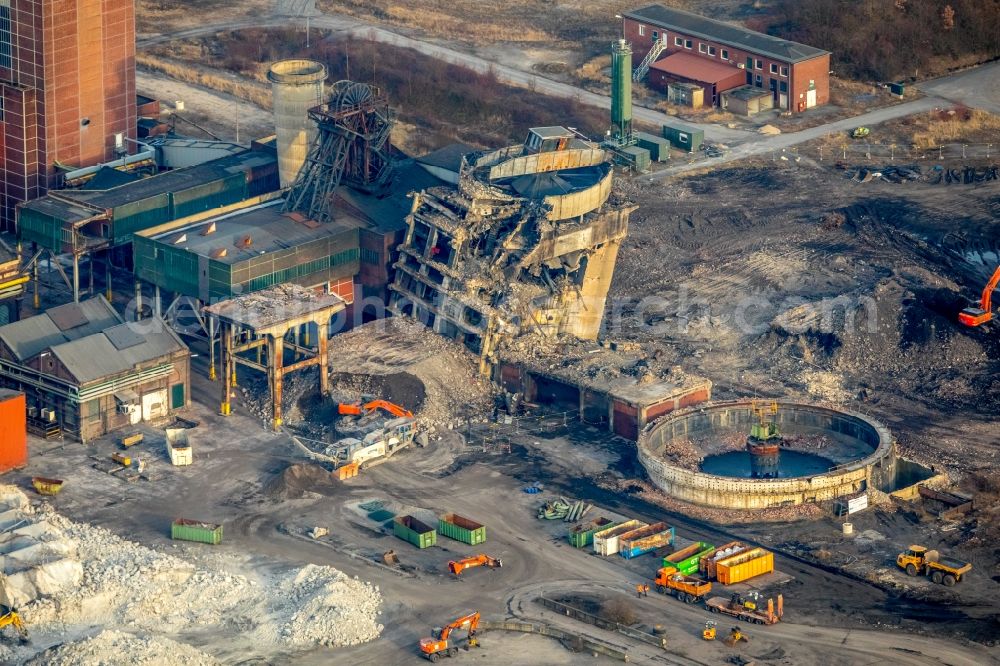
x,y
621,93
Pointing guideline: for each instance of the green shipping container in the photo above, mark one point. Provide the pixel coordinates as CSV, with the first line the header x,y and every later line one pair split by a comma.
x,y
686,560
582,535
658,147
683,137
195,530
461,529
635,157
410,529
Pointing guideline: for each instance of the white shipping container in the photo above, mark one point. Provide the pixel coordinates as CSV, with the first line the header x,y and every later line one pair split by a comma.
x,y
178,447
606,541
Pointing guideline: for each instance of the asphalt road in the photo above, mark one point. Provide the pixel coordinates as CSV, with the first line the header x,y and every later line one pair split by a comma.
x,y
978,87
975,87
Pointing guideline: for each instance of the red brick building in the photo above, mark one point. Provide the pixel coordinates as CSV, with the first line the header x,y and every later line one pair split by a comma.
x,y
67,88
797,75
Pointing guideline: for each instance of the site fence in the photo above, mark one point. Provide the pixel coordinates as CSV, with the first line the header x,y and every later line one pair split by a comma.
x,y
602,623
894,152
497,436
578,642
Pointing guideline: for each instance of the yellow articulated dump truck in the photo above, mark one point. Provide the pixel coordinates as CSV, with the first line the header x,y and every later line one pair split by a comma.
x,y
944,570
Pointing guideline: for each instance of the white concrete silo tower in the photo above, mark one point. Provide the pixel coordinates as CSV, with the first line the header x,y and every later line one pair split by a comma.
x,y
296,86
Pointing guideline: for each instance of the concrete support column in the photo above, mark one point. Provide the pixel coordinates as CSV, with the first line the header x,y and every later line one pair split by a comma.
x,y
583,318
156,300
107,277
324,379
37,302
138,300
76,278
305,334
226,334
211,349
275,352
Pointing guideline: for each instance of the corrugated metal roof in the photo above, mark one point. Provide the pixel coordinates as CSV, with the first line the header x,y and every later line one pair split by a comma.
x,y
696,68
725,33
29,337
449,157
170,181
96,357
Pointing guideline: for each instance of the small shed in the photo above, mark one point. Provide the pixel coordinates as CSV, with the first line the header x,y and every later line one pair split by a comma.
x,y
747,100
684,137
686,94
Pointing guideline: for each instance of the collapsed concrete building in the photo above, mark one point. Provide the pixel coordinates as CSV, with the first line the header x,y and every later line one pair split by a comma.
x,y
526,241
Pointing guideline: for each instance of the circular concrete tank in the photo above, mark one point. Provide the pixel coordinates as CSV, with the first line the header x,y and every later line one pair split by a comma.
x,y
296,87
861,448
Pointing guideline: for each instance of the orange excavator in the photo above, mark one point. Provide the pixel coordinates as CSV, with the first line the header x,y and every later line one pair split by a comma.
x,y
358,409
457,566
439,645
975,316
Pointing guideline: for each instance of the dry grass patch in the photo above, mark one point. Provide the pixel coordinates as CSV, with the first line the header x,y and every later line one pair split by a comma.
x,y
250,91
595,70
159,16
958,125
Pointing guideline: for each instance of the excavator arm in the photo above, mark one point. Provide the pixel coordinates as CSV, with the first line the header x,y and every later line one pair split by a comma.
x,y
457,566
344,408
975,316
433,648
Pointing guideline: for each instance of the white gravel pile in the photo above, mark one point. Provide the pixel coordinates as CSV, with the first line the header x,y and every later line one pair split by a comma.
x,y
132,587
327,608
116,648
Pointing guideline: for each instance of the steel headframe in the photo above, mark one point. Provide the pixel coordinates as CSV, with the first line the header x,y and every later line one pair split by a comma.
x,y
352,146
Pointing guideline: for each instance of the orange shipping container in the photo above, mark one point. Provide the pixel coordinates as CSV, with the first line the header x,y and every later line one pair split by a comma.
x,y
13,431
744,566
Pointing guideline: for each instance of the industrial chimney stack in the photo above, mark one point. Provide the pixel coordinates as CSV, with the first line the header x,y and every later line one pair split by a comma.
x,y
296,87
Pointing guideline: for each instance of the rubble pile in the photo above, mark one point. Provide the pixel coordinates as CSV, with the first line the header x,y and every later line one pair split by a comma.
x,y
37,558
453,387
327,608
118,648
365,359
123,583
684,453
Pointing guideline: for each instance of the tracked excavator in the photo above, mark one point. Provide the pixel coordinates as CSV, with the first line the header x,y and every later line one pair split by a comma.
x,y
441,645
9,617
358,409
982,312
457,566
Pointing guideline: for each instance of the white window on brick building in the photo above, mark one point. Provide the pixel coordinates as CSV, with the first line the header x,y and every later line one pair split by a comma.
x,y
678,41
711,50
758,64
656,35
725,54
688,44
774,68
784,70
642,31
702,48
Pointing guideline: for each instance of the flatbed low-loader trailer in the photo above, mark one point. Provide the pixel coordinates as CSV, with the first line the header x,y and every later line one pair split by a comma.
x,y
769,615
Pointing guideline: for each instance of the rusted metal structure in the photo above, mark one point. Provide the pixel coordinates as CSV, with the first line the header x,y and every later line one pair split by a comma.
x,y
352,147
262,321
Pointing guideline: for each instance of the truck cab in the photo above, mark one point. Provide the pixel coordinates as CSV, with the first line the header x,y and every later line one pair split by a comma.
x,y
913,560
